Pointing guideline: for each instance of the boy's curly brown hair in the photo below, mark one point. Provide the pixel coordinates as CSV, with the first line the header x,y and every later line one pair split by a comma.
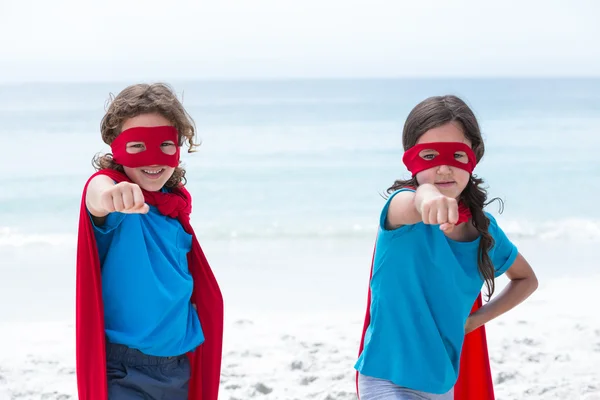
x,y
146,99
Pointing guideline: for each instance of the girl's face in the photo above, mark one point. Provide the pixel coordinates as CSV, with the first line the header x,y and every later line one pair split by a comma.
x,y
151,177
450,181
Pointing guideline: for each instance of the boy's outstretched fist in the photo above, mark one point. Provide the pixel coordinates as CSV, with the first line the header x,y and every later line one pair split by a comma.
x,y
124,197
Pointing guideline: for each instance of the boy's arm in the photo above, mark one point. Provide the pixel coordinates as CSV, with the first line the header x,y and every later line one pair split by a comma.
x,y
96,187
104,196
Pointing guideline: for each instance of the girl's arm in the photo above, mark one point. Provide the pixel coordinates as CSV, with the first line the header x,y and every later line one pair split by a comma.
x,y
408,208
523,283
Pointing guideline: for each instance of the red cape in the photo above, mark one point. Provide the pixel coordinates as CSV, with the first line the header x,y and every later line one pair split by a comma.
x,y
475,376
205,361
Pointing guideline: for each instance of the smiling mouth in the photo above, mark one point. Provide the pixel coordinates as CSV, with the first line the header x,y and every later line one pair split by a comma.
x,y
153,173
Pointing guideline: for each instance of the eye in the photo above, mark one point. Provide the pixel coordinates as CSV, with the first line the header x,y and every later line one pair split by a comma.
x,y
461,156
168,147
428,154
135,147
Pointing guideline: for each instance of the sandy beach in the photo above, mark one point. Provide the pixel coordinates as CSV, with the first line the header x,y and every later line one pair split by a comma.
x,y
549,348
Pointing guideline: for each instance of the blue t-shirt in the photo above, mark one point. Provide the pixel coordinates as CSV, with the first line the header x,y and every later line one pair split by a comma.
x,y
423,287
146,283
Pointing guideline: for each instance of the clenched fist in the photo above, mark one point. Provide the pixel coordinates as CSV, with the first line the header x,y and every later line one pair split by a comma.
x,y
439,209
124,197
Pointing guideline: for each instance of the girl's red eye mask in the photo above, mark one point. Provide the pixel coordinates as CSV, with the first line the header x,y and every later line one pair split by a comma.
x,y
446,155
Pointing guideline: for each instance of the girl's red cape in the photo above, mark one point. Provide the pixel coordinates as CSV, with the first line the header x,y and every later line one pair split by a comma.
x,y
475,376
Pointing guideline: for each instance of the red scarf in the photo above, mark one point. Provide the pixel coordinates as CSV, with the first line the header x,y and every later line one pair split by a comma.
x,y
205,361
475,376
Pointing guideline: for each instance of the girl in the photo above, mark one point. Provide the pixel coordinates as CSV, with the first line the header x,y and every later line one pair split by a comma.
x,y
149,310
436,247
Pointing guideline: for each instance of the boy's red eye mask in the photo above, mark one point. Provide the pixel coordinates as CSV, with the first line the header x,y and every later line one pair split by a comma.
x,y
153,138
446,155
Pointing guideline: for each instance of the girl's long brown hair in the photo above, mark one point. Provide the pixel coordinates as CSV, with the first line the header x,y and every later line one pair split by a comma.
x,y
432,113
146,99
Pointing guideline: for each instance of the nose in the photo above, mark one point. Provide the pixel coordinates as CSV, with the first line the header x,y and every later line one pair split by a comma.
x,y
444,170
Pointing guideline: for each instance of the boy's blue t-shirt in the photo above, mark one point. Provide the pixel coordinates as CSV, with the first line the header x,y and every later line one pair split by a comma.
x,y
422,290
146,283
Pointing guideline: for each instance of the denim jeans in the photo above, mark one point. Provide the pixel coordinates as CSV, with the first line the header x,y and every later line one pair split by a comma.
x,y
134,375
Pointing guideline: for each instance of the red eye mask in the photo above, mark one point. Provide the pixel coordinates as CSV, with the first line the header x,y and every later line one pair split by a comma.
x,y
446,156
153,138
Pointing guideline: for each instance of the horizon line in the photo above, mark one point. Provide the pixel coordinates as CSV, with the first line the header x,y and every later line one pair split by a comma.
x,y
298,78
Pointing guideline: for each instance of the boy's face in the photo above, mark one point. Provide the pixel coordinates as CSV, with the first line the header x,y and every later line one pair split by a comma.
x,y
151,177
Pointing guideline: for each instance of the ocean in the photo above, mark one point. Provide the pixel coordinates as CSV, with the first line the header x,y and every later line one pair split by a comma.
x,y
288,181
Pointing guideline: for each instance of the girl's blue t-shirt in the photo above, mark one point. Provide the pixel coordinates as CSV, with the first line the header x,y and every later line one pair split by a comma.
x,y
146,283
422,290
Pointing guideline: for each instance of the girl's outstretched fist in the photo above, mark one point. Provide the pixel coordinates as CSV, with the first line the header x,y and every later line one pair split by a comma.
x,y
124,197
437,209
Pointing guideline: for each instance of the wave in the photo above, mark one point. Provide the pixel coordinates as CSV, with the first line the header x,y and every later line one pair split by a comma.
x,y
570,229
565,229
15,238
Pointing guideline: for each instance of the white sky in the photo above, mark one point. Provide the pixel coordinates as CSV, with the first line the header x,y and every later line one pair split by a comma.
x,y
74,40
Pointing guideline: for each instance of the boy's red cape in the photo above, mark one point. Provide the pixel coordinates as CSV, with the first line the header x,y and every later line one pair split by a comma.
x,y
205,361
475,376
